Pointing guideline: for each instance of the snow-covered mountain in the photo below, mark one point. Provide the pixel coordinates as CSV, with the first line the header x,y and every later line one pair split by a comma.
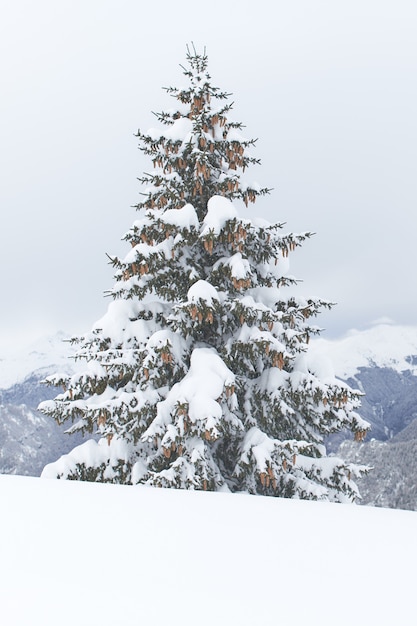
x,y
28,439
101,555
46,354
381,362
383,346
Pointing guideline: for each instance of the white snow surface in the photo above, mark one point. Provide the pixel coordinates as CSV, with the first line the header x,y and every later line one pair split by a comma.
x,y
106,555
383,345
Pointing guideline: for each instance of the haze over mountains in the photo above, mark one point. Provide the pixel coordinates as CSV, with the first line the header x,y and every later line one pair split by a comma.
x,y
380,361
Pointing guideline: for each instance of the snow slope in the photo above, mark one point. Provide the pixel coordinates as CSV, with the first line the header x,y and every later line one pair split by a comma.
x,y
101,555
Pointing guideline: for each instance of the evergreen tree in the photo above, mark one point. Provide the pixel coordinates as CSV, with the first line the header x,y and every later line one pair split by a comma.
x,y
198,375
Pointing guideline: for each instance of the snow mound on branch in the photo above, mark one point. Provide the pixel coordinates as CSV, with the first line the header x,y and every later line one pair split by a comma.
x,y
206,362
200,388
91,453
260,445
205,381
239,267
203,384
142,248
180,130
117,316
167,338
121,325
219,211
316,363
202,290
272,379
186,217
206,378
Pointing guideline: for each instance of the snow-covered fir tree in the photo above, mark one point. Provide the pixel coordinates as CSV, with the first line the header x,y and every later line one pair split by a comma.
x,y
198,375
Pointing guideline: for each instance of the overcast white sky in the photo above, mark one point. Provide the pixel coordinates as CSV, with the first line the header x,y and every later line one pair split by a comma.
x,y
328,87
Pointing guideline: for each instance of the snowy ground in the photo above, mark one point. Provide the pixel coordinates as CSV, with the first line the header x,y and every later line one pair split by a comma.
x,y
92,554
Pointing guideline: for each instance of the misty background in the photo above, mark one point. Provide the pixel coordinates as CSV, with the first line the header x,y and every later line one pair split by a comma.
x,y
329,88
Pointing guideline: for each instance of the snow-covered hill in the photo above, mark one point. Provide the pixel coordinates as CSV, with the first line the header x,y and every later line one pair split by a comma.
x,y
105,555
